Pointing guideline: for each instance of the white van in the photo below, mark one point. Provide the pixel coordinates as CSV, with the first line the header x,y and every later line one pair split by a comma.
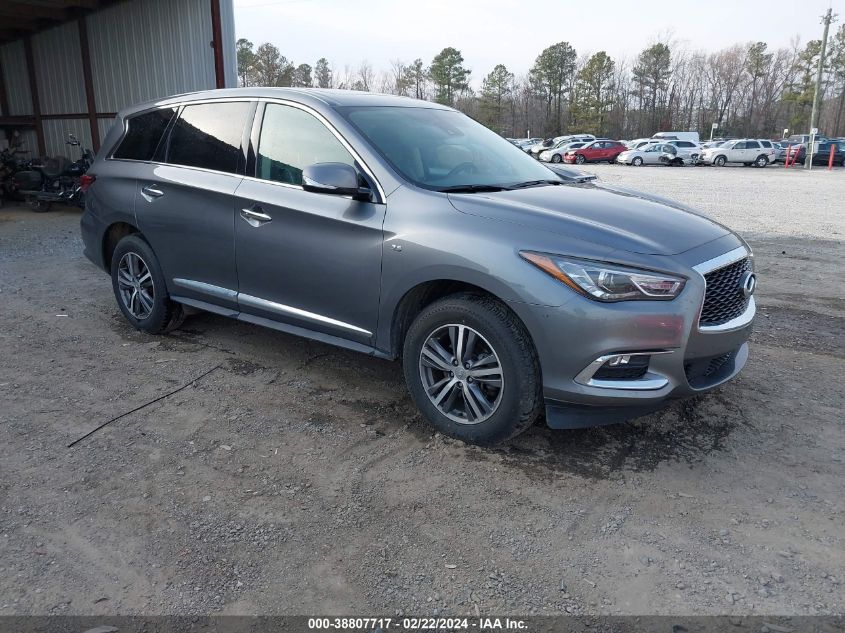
x,y
677,136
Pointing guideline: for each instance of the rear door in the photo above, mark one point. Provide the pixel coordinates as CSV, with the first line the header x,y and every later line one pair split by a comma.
x,y
185,203
752,151
312,260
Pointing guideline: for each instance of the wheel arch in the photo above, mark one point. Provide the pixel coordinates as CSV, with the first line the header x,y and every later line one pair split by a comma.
x,y
423,294
112,236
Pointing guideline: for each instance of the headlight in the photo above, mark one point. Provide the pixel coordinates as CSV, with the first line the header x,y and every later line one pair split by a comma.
x,y
608,282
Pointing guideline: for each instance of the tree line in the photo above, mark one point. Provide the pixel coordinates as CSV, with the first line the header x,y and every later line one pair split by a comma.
x,y
745,89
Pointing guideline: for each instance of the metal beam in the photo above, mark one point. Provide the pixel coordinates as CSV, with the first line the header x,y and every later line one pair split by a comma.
x,y
32,11
217,44
33,89
89,83
4,100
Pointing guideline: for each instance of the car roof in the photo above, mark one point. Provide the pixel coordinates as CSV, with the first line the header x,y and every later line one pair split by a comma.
x,y
311,96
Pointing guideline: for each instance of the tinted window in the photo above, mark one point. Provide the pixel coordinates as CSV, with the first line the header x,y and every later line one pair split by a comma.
x,y
208,135
752,145
144,133
740,145
292,139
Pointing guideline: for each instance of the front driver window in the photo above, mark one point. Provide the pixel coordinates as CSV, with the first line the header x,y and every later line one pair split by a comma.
x,y
291,139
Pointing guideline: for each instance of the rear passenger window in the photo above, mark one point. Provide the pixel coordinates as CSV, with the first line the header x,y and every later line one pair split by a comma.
x,y
752,145
291,139
144,133
208,135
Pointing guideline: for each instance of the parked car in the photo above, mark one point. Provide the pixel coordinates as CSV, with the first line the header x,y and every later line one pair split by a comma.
x,y
404,229
640,142
542,146
745,151
676,136
688,151
555,154
822,154
803,139
525,144
596,151
654,154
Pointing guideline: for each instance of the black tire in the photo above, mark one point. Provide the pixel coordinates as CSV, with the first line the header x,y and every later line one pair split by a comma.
x,y
165,314
579,159
521,400
720,161
37,206
556,158
761,161
637,162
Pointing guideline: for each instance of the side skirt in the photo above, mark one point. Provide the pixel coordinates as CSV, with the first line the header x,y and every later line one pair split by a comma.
x,y
284,327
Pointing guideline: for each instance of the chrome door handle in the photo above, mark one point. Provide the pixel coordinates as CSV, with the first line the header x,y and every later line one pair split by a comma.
x,y
255,218
151,192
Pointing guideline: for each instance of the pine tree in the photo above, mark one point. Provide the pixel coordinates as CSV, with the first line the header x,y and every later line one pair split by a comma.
x,y
448,75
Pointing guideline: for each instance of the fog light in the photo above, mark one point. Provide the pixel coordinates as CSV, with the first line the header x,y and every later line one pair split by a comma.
x,y
623,367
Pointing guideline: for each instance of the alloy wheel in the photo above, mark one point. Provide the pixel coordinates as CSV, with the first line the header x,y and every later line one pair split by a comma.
x,y
135,285
461,374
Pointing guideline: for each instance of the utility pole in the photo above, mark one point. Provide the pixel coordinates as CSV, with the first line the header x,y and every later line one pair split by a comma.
x,y
814,116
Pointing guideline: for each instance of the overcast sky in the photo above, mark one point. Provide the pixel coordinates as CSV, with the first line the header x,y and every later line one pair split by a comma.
x,y
513,32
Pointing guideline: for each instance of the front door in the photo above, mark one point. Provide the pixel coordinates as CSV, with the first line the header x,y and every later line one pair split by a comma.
x,y
311,260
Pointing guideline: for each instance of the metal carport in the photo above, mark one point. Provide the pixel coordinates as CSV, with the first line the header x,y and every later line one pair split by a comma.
x,y
67,66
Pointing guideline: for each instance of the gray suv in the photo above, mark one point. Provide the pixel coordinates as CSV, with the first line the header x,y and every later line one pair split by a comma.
x,y
404,229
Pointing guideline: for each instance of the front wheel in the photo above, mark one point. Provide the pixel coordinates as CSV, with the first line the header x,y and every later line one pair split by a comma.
x,y
637,162
556,158
471,368
720,161
580,159
139,287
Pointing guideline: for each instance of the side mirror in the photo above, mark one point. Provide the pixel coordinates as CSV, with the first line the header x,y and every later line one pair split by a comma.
x,y
338,179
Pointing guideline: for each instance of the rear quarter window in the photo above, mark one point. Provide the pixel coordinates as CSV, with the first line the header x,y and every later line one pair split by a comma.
x,y
144,134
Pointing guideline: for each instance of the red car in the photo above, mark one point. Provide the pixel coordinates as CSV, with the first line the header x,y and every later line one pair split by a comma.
x,y
595,152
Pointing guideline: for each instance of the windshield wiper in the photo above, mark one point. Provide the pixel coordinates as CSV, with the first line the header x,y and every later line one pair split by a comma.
x,y
535,183
472,188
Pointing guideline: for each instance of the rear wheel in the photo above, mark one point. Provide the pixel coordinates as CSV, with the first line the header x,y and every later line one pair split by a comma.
x,y
761,161
139,287
471,368
37,205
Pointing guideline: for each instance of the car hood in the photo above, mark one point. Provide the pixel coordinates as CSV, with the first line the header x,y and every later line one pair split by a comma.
x,y
607,215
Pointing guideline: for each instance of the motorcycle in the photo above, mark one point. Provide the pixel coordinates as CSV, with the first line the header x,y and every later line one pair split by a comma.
x,y
10,164
54,179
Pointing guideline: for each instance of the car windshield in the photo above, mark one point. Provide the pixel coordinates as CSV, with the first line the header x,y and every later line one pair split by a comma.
x,y
443,149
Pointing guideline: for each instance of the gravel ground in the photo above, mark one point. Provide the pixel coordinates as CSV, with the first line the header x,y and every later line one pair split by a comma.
x,y
298,478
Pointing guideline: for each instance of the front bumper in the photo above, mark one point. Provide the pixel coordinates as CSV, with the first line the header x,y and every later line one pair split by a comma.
x,y
684,359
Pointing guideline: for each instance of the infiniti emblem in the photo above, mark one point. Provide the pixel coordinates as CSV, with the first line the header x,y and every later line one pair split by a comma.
x,y
748,282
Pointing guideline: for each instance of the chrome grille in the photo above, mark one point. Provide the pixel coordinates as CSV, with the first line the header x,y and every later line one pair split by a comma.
x,y
723,297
